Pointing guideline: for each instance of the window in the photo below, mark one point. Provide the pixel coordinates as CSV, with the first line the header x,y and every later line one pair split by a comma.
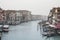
x,y
58,10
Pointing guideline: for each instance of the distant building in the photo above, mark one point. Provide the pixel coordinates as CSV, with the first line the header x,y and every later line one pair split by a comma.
x,y
13,16
18,17
36,17
26,15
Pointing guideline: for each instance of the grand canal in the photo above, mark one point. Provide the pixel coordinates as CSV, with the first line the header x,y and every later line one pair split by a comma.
x,y
26,31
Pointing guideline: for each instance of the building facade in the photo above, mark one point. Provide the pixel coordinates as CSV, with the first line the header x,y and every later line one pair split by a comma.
x,y
2,16
26,15
14,16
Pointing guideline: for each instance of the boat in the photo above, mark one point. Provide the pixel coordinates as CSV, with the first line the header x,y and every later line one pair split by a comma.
x,y
5,28
48,31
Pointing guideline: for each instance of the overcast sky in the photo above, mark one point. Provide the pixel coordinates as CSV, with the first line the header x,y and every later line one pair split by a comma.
x,y
35,6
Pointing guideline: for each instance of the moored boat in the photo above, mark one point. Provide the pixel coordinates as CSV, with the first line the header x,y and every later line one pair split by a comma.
x,y
5,28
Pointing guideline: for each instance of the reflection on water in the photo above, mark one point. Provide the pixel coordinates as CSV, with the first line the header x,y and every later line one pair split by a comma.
x,y
26,31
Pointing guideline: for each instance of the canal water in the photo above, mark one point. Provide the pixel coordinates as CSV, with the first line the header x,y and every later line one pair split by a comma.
x,y
26,31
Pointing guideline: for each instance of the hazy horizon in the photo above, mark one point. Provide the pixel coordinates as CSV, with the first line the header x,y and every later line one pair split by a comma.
x,y
39,7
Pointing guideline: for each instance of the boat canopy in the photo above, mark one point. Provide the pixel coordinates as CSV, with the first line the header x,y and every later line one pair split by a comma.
x,y
52,25
6,26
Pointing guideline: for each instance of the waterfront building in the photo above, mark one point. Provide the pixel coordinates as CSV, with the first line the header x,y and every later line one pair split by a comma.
x,y
2,16
26,15
14,16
